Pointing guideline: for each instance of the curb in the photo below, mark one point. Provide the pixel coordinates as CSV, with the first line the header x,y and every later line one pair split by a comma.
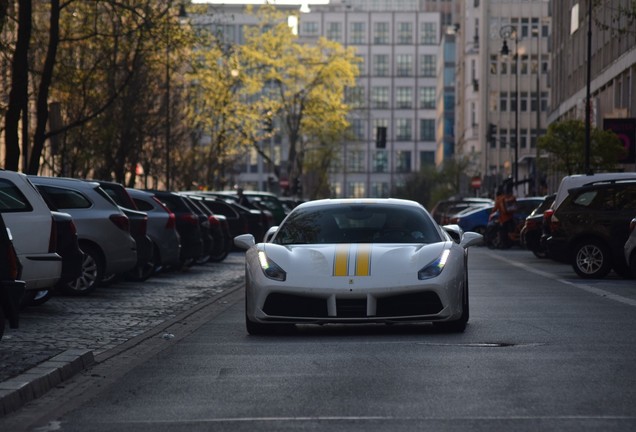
x,y
35,382
19,390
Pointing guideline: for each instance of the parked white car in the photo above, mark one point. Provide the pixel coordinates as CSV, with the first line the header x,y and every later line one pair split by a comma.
x,y
28,217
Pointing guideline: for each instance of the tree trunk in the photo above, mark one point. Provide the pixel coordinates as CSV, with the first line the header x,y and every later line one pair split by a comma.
x,y
18,96
43,94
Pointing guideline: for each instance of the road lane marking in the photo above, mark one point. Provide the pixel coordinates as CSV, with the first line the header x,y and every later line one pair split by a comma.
x,y
597,291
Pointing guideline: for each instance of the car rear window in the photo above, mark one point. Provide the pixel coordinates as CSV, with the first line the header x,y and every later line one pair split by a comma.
x,y
65,198
12,199
143,205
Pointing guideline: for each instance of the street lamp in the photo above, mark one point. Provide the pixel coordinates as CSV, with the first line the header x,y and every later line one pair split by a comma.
x,y
510,32
182,15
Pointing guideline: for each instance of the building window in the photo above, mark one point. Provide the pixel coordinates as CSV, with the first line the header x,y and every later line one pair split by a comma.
x,y
427,97
381,33
355,96
381,65
334,31
404,97
357,128
429,33
355,161
523,138
427,129
402,161
544,101
428,65
503,138
380,97
503,101
379,190
358,33
404,65
362,65
405,33
493,64
427,159
309,28
355,189
524,102
403,129
380,161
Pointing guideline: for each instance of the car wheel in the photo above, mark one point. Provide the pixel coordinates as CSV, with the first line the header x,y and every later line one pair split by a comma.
x,y
220,252
459,325
591,259
92,273
142,273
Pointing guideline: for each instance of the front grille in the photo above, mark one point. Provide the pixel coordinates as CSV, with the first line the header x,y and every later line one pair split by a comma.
x,y
351,308
422,303
289,305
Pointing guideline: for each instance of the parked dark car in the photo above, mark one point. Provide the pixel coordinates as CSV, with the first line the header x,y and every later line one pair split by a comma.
x,y
138,229
445,209
237,221
258,220
206,231
220,248
188,225
532,229
11,287
590,227
162,229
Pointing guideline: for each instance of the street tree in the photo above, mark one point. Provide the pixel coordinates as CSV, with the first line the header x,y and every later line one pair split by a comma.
x,y
305,87
564,143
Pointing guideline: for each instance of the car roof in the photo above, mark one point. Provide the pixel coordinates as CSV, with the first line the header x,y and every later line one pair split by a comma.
x,y
578,180
341,201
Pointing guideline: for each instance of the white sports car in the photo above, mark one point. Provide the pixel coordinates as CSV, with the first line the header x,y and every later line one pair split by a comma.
x,y
357,261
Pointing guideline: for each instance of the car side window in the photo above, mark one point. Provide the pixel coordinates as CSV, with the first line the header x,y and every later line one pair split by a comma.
x,y
12,199
65,198
143,205
626,198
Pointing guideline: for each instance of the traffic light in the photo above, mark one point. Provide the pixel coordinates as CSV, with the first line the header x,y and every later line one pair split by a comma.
x,y
380,137
492,131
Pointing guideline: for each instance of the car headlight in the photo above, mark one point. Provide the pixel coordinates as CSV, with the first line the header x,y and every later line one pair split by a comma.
x,y
434,268
270,268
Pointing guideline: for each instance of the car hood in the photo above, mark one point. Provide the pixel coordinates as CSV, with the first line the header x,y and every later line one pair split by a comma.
x,y
379,260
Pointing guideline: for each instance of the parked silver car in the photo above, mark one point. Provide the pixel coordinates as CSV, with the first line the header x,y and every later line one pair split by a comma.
x,y
103,229
162,228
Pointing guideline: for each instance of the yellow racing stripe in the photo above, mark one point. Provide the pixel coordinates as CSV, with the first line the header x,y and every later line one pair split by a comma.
x,y
341,260
363,260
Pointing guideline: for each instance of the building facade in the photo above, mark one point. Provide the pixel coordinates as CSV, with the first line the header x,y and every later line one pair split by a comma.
x,y
612,61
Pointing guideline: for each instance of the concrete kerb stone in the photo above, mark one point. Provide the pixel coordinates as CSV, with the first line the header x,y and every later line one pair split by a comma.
x,y
38,380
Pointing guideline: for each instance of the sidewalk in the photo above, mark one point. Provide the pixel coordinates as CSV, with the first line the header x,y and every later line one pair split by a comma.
x,y
66,335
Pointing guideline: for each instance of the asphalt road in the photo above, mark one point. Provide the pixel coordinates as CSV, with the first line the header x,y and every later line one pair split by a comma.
x,y
544,350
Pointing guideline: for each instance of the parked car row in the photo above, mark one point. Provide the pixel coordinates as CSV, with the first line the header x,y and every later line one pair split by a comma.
x,y
73,235
588,223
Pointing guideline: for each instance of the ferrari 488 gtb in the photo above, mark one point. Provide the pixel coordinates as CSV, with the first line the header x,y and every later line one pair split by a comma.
x,y
357,261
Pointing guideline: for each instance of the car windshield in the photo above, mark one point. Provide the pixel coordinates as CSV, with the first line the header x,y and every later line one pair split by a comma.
x,y
357,223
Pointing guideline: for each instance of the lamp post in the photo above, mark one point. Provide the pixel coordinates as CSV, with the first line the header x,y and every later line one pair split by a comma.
x,y
182,14
510,32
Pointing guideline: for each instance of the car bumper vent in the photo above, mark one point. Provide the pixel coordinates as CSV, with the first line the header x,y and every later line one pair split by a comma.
x,y
424,303
289,305
351,308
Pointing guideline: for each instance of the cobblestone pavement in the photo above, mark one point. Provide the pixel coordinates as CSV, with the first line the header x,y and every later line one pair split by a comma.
x,y
111,315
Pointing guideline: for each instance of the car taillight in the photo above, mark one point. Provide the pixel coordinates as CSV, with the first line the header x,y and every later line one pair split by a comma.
x,y
213,220
547,215
453,220
189,218
121,221
554,223
53,236
172,221
72,228
531,224
144,224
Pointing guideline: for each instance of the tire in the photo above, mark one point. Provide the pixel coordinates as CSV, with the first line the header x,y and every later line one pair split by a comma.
x,y
220,252
591,259
142,273
459,325
92,273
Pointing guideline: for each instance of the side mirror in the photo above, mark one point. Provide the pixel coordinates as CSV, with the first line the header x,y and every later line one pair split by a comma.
x,y
471,239
454,231
244,241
